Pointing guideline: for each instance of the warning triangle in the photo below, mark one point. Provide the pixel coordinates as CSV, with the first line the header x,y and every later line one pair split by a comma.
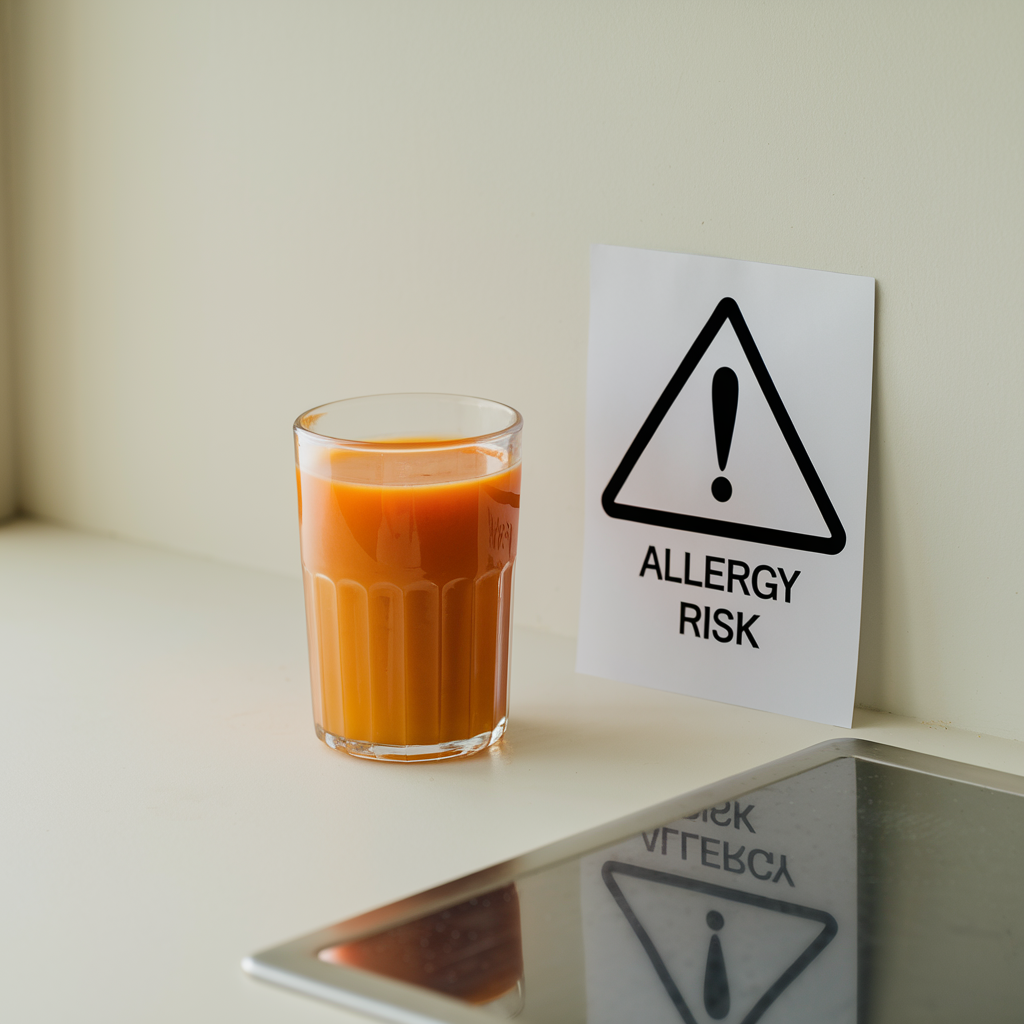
x,y
713,995
724,395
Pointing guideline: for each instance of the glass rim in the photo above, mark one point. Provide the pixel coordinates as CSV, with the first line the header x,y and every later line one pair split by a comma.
x,y
397,446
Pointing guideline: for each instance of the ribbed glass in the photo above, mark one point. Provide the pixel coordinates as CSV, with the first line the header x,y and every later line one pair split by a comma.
x,y
408,549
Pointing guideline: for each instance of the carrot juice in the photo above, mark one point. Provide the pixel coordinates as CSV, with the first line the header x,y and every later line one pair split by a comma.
x,y
408,550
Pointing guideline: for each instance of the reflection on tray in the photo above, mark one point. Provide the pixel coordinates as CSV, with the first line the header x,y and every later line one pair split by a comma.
x,y
472,951
856,890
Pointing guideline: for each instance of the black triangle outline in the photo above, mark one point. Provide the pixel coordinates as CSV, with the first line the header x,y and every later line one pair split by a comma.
x,y
823,938
727,309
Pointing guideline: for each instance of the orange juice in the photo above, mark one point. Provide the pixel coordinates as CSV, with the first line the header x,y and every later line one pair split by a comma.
x,y
408,556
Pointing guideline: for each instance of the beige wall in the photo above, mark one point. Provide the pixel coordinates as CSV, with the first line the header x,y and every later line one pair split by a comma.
x,y
8,495
227,212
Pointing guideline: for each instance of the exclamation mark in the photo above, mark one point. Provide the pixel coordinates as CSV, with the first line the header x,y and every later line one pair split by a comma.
x,y
725,394
716,981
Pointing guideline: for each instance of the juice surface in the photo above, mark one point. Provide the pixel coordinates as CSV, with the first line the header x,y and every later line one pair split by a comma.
x,y
408,591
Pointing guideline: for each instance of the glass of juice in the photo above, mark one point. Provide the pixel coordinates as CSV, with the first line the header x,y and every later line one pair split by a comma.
x,y
408,521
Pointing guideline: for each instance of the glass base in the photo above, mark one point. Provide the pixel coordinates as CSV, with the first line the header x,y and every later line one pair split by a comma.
x,y
414,751
508,1005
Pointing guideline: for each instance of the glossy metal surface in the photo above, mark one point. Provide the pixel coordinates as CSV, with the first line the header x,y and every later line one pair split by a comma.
x,y
936,894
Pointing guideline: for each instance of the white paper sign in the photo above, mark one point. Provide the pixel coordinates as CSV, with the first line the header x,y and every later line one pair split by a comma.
x,y
746,912
728,411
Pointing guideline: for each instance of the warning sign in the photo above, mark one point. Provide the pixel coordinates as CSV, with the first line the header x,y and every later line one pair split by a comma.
x,y
728,409
746,517
785,950
744,912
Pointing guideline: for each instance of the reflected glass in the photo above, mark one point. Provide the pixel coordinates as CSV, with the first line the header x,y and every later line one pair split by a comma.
x,y
472,951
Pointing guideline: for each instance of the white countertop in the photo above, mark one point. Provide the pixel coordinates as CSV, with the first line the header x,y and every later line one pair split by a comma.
x,y
168,808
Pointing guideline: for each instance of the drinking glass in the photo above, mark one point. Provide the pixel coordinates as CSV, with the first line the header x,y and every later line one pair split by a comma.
x,y
408,522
